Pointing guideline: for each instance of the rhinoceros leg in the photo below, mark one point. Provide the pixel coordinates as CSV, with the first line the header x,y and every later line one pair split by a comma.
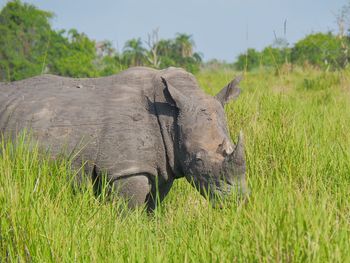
x,y
134,188
158,193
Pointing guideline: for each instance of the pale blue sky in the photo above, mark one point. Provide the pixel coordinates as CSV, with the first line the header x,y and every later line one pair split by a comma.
x,y
221,28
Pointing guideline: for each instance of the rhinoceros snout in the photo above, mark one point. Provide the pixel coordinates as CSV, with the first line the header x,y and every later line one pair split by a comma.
x,y
237,191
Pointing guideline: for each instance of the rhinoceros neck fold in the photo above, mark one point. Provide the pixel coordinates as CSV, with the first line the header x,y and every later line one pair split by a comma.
x,y
166,114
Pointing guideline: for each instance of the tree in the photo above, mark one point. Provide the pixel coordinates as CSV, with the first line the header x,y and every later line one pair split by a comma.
x,y
274,57
166,53
248,60
343,21
108,60
153,44
25,37
29,47
320,49
72,54
184,44
105,49
179,52
134,52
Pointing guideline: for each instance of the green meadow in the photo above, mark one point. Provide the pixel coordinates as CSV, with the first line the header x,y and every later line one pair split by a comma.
x,y
296,126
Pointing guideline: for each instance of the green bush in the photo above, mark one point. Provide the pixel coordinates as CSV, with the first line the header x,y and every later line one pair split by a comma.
x,y
269,57
321,50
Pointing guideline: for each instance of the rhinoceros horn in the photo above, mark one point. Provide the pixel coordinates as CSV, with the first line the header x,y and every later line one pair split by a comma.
x,y
236,160
237,167
238,154
230,92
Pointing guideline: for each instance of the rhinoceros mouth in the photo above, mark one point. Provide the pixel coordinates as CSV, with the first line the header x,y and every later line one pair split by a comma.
x,y
218,190
214,188
227,188
226,193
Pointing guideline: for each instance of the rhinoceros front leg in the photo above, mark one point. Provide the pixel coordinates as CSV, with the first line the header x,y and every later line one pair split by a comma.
x,y
135,189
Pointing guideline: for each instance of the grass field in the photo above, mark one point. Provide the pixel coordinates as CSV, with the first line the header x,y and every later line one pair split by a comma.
x,y
297,132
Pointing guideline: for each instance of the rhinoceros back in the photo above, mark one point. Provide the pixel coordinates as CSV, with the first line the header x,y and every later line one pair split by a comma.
x,y
106,120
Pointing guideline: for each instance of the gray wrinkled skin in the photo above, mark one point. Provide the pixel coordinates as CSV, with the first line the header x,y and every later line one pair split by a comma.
x,y
143,128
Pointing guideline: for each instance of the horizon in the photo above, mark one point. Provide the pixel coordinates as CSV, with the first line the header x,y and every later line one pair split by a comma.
x,y
256,24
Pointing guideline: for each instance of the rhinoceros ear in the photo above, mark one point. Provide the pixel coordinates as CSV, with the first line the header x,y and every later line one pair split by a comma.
x,y
180,100
230,92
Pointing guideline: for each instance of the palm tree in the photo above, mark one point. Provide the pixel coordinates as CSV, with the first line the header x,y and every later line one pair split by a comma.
x,y
165,47
184,44
134,52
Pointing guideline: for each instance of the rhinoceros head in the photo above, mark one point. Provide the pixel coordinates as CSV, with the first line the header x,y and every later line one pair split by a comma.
x,y
209,160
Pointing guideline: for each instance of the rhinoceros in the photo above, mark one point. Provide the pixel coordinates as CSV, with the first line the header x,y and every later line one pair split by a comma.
x,y
142,129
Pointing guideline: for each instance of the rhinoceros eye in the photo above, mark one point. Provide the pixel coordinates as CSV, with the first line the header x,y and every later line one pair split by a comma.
x,y
220,148
198,156
225,148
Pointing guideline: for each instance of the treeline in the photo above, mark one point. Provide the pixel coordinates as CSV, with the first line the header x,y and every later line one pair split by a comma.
x,y
320,50
29,46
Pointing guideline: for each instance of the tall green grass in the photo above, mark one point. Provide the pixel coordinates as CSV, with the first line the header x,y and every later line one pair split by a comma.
x,y
297,137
